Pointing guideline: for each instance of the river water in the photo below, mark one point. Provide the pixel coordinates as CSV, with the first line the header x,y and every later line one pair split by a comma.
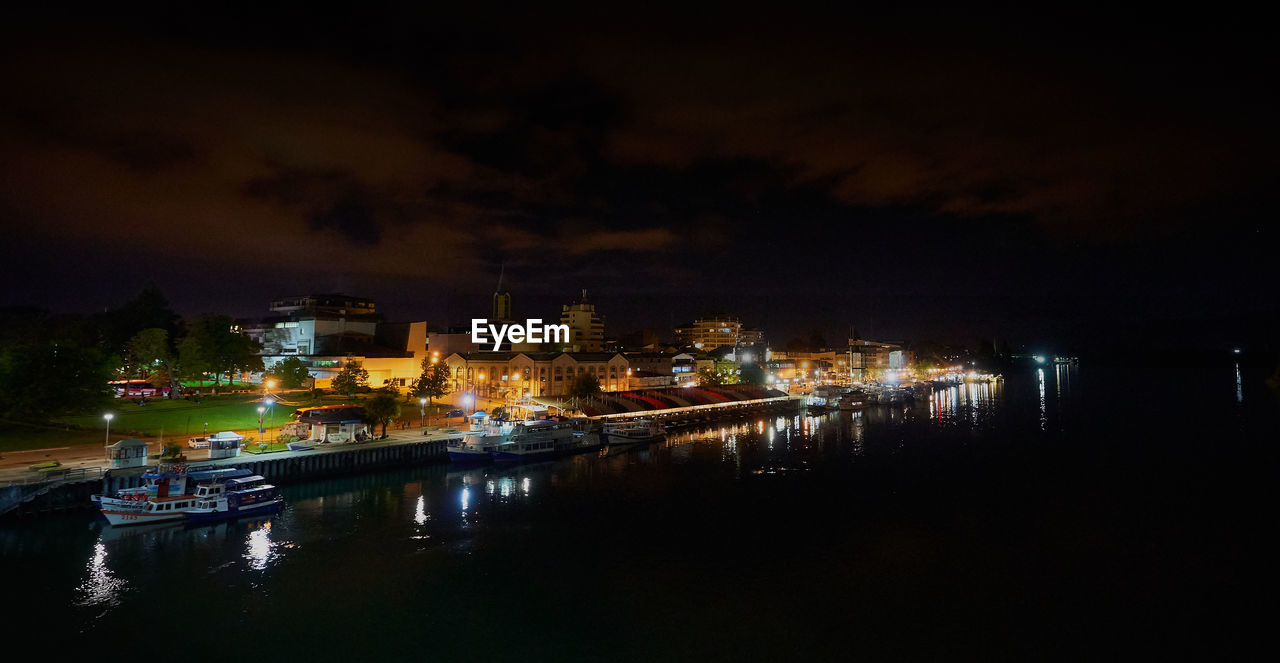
x,y
1066,511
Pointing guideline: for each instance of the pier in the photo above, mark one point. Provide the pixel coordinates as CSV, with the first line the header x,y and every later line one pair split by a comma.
x,y
70,489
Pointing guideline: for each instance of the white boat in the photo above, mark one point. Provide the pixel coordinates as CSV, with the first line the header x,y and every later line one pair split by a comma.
x,y
165,480
485,435
235,498
542,439
152,511
634,431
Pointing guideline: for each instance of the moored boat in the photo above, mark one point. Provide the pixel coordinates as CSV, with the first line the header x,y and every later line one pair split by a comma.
x,y
634,431
537,440
165,480
235,498
477,445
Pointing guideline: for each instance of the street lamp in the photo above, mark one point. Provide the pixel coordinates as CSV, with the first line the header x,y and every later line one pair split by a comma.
x,y
107,441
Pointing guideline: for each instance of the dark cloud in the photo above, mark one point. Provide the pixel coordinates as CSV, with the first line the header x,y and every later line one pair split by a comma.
x,y
868,156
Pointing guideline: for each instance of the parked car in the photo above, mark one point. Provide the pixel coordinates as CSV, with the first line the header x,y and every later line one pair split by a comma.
x,y
455,413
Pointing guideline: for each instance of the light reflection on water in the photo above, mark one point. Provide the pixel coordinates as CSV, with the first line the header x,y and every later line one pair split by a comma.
x,y
759,449
101,586
261,549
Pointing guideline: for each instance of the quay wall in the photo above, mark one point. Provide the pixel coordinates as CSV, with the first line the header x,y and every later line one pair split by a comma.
x,y
296,467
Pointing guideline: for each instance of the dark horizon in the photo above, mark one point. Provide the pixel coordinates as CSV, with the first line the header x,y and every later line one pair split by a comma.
x,y
1046,178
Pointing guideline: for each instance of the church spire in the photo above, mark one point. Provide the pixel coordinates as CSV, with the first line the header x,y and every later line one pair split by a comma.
x,y
501,299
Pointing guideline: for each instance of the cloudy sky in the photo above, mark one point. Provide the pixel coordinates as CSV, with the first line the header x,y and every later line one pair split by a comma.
x,y
917,174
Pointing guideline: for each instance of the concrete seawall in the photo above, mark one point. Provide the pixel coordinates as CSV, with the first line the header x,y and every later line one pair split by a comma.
x,y
281,470
288,467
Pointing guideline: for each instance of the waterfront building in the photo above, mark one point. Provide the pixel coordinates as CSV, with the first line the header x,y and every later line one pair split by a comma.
x,y
586,327
650,379
685,367
327,332
655,362
503,375
871,360
313,324
808,367
710,333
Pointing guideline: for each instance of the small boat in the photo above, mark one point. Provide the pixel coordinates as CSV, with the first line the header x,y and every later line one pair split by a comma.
x,y
634,431
299,446
235,498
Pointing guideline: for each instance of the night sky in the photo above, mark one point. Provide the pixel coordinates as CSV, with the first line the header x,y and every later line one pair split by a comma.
x,y
1044,178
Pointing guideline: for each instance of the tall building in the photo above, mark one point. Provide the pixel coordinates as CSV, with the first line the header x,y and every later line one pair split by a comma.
x,y
711,333
586,327
501,300
868,360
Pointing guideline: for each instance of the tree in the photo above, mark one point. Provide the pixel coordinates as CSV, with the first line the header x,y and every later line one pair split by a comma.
x,y
709,378
193,358
149,310
149,352
751,374
434,381
350,379
289,374
43,379
225,349
243,355
584,385
381,409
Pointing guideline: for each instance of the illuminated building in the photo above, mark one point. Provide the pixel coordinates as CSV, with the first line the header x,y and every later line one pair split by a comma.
x,y
586,327
709,333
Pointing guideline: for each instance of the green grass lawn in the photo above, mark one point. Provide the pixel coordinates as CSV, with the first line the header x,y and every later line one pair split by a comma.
x,y
174,419
272,447
179,419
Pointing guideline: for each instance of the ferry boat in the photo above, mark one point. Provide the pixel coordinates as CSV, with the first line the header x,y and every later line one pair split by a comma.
x,y
477,445
634,431
165,480
852,401
544,439
234,498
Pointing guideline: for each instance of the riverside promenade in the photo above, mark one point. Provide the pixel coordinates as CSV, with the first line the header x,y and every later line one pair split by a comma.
x,y
69,487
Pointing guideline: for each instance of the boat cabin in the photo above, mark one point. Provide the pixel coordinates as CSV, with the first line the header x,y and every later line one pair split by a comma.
x,y
129,452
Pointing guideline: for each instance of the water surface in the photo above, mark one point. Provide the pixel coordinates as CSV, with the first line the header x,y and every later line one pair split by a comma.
x,y
1064,511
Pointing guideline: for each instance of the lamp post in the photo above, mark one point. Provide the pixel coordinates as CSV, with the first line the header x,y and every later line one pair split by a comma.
x,y
423,402
107,440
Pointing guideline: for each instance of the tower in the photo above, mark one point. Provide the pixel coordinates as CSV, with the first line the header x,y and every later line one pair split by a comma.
x,y
501,300
586,327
